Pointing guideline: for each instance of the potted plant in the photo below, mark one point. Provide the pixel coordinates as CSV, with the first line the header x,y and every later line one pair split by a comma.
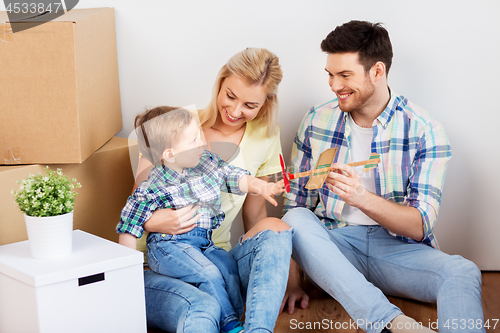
x,y
47,202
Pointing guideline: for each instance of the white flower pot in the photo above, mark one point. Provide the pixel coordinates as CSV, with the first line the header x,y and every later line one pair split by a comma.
x,y
50,237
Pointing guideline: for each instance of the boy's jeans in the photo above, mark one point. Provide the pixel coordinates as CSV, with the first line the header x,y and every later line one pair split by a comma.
x,y
192,257
263,262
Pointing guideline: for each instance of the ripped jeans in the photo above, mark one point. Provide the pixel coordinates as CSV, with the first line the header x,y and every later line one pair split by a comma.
x,y
263,265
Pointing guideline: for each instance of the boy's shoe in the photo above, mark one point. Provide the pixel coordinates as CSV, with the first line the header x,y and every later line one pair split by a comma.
x,y
237,328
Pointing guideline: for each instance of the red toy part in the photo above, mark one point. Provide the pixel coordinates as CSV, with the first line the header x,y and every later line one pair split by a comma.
x,y
285,177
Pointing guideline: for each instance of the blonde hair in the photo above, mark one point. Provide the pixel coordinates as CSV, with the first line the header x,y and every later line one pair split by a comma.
x,y
254,66
159,128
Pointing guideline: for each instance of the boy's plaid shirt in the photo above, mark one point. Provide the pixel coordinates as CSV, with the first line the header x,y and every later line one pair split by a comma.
x,y
414,153
166,188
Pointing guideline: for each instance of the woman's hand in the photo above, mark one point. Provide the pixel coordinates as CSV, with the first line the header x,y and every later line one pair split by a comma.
x,y
171,221
294,292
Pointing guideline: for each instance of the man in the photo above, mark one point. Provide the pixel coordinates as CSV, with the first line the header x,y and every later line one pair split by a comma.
x,y
366,234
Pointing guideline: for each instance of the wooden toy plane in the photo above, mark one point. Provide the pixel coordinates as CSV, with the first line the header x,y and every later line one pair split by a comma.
x,y
323,167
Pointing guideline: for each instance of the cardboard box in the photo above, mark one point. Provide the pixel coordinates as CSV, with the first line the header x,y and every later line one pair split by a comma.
x,y
98,288
107,180
59,90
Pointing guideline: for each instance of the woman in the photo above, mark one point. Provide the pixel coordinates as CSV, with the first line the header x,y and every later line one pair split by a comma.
x,y
239,123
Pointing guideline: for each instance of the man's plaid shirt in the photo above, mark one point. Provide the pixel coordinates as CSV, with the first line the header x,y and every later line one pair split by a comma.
x,y
166,188
414,152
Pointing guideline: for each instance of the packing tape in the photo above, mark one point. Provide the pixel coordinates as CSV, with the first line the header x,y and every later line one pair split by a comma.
x,y
12,155
6,34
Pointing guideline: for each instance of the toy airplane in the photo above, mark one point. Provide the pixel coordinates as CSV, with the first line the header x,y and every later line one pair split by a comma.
x,y
323,167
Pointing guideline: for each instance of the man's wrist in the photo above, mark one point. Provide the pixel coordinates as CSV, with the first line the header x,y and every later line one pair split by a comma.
x,y
369,200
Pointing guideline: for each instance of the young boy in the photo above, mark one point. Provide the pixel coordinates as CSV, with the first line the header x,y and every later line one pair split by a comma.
x,y
185,174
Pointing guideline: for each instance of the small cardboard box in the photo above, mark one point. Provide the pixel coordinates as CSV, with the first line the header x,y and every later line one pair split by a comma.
x,y
98,288
107,180
59,89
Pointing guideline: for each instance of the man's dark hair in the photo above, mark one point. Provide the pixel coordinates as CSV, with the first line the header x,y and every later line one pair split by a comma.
x,y
370,40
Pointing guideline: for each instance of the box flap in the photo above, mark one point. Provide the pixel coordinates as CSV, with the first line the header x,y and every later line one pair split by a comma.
x,y
73,15
3,17
115,143
76,15
91,255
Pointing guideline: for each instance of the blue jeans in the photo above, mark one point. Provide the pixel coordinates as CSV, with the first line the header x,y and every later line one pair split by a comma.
x,y
263,263
193,258
176,306
357,265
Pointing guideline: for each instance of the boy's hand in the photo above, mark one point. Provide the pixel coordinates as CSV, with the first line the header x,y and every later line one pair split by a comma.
x,y
254,185
271,189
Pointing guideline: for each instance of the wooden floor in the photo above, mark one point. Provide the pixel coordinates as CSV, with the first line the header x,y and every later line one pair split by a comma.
x,y
326,312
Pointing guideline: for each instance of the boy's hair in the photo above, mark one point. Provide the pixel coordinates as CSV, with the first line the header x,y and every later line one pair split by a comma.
x,y
159,128
370,40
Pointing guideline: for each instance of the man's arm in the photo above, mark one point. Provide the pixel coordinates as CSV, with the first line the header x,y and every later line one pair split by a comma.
x,y
415,218
403,220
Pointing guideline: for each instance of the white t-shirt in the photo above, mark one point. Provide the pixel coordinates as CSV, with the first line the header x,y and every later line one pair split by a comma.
x,y
360,150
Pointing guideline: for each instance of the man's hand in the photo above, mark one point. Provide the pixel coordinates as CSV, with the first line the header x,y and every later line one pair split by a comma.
x,y
398,218
346,183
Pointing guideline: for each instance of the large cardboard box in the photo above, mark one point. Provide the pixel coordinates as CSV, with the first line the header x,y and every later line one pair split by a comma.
x,y
107,180
59,90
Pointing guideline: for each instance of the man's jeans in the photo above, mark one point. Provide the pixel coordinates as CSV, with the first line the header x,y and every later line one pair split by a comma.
x,y
192,257
263,264
357,265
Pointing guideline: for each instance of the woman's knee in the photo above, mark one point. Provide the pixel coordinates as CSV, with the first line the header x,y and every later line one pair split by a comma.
x,y
269,223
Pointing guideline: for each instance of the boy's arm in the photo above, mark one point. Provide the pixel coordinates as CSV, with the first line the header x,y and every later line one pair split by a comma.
x,y
138,209
128,240
254,185
239,180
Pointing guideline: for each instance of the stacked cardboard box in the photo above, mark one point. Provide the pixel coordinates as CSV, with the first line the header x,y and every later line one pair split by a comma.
x,y
106,178
59,92
60,105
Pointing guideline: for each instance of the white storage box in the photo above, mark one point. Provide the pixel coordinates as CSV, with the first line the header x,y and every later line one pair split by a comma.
x,y
98,288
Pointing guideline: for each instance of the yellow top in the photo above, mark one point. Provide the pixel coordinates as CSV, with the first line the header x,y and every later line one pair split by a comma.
x,y
257,154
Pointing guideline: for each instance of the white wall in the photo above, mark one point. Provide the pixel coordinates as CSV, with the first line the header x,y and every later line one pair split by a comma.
x,y
446,59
